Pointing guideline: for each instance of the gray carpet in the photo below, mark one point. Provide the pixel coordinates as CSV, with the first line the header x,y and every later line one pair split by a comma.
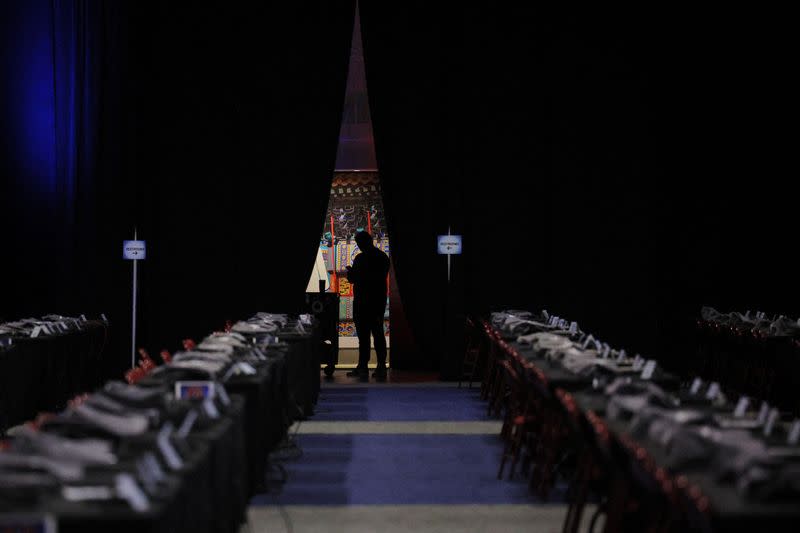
x,y
416,518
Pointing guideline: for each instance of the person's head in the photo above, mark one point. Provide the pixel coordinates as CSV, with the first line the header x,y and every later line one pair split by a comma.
x,y
364,240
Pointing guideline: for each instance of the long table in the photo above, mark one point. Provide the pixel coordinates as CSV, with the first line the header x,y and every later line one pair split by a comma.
x,y
225,461
40,374
716,505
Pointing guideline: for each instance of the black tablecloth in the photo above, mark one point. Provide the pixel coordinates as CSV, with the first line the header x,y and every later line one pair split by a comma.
x,y
303,372
208,494
730,510
228,460
42,373
266,418
760,367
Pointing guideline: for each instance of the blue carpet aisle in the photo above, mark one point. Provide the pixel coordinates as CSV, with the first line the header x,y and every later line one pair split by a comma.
x,y
371,448
400,404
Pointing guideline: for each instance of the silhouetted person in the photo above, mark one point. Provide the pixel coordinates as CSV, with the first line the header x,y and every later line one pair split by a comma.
x,y
368,276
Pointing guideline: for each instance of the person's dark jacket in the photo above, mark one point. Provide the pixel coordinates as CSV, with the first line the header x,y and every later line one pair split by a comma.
x,y
368,276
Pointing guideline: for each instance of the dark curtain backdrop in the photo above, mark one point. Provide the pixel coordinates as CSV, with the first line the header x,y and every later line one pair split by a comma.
x,y
211,128
725,98
564,145
66,157
240,117
410,53
617,166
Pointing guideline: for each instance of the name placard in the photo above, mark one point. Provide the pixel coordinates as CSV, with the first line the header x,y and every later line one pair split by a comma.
x,y
741,407
187,424
794,433
194,390
763,412
771,420
713,391
210,408
649,368
166,448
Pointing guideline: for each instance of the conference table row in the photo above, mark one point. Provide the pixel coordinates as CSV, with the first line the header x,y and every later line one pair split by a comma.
x,y
40,373
181,446
659,452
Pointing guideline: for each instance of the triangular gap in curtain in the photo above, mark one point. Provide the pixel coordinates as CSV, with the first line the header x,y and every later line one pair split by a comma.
x,y
355,204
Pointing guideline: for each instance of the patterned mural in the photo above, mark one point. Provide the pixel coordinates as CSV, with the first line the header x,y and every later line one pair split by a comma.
x,y
355,205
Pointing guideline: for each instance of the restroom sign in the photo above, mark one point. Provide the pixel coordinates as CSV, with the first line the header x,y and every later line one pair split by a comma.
x,y
134,250
449,244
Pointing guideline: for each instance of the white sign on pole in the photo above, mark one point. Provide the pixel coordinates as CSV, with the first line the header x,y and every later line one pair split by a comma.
x,y
449,244
134,250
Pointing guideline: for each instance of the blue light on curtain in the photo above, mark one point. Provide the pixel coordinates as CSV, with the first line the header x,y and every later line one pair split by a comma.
x,y
47,113
75,46
28,107
48,133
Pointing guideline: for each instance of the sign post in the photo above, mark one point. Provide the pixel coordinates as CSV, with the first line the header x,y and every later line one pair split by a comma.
x,y
453,309
135,251
449,245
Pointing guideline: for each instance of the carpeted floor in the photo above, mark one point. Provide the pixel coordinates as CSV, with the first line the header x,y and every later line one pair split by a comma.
x,y
425,454
400,403
397,469
403,518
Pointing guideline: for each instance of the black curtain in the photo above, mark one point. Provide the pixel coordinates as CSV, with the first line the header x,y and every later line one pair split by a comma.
x,y
564,140
210,128
617,166
239,119
410,51
725,98
620,167
66,132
